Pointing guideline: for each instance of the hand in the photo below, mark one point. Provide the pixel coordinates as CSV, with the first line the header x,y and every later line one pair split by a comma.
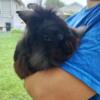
x,y
56,84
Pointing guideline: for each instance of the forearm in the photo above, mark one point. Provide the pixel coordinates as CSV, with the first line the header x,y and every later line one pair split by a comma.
x,y
57,85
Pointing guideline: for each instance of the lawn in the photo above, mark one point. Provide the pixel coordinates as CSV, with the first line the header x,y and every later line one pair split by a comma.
x,y
11,87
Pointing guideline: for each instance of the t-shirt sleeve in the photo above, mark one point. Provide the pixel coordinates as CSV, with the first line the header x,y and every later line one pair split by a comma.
x,y
85,62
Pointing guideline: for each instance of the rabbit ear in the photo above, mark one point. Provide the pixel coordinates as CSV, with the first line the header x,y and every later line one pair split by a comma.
x,y
25,15
80,30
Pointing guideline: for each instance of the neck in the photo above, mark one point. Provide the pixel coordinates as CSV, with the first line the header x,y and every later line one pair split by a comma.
x,y
91,3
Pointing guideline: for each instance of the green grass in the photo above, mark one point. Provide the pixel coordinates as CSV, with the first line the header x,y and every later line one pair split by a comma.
x,y
11,87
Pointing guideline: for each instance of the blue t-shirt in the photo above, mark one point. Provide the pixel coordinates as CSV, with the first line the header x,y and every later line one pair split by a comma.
x,y
85,62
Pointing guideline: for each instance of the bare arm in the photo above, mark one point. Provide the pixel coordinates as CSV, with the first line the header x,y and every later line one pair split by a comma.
x,y
56,84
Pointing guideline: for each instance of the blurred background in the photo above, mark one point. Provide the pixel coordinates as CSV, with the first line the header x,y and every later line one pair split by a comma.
x,y
11,29
9,19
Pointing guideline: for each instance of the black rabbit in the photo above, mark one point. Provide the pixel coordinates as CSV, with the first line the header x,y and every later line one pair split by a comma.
x,y
47,42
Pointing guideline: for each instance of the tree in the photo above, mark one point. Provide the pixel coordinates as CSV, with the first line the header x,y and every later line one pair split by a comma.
x,y
54,4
